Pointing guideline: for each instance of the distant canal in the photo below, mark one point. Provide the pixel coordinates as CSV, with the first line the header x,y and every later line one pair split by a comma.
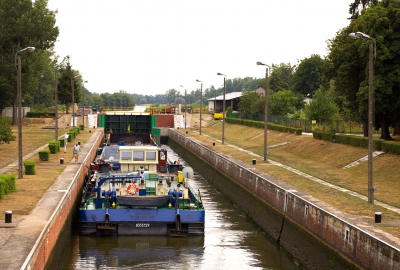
x,y
231,241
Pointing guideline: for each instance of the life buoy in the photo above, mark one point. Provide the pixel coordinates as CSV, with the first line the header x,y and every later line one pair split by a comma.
x,y
133,191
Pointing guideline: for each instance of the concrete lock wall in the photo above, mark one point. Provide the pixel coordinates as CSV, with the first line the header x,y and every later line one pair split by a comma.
x,y
314,237
50,246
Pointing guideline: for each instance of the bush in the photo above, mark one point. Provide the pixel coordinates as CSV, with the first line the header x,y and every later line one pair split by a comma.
x,y
29,167
9,183
77,130
44,155
71,136
3,188
359,141
260,124
323,135
391,147
81,127
40,114
6,134
54,146
61,142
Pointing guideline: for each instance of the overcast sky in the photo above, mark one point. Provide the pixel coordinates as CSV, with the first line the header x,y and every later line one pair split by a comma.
x,y
149,47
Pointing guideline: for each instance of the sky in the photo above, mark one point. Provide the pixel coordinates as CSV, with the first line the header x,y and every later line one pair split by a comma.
x,y
149,47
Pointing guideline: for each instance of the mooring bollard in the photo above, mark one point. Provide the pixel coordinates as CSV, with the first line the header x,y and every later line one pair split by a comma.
x,y
79,143
90,131
8,216
254,162
378,217
61,161
213,143
186,132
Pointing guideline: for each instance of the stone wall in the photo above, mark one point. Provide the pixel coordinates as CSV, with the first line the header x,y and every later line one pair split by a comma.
x,y
313,236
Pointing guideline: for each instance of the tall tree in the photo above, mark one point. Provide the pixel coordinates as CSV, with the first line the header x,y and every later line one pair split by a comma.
x,y
358,5
64,86
307,77
23,24
348,63
321,108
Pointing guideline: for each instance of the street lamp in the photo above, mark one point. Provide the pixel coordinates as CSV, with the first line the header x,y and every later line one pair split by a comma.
x,y
19,97
201,100
83,103
185,106
266,110
56,102
223,109
372,53
73,102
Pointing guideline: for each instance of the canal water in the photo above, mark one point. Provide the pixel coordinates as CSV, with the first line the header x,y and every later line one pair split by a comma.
x,y
231,241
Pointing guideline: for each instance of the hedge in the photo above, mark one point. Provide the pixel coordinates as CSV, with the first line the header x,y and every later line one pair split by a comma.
x,y
29,167
61,142
259,124
44,155
7,184
54,146
40,114
358,141
391,147
81,127
77,130
323,135
71,136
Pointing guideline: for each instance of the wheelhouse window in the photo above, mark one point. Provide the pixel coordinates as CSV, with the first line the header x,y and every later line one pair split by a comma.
x,y
151,155
138,156
126,155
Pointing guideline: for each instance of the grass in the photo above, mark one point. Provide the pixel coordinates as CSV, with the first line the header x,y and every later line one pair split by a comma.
x,y
321,159
31,188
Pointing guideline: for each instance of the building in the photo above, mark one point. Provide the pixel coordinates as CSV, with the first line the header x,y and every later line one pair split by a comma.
x,y
231,100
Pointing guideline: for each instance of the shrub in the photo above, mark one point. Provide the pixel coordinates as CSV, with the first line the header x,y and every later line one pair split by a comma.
x,y
298,131
40,114
71,136
77,130
54,146
44,155
260,124
81,127
61,142
29,167
3,188
391,147
359,141
6,134
9,180
323,135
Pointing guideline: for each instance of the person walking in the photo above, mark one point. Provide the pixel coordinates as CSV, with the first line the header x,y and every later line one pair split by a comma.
x,y
77,151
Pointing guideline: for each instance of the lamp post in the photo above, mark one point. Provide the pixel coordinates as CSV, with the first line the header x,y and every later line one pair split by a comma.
x,y
223,109
266,110
19,97
83,103
73,102
201,100
372,54
185,106
56,101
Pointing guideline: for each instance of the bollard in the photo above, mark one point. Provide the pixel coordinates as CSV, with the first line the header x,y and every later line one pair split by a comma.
x,y
61,161
8,216
79,143
213,143
254,162
90,131
186,132
378,217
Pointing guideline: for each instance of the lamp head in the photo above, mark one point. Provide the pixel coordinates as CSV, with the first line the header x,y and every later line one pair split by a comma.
x,y
77,76
182,86
353,36
197,80
260,64
221,74
30,49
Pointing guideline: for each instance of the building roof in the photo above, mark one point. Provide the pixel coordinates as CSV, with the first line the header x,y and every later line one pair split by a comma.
x,y
228,96
260,90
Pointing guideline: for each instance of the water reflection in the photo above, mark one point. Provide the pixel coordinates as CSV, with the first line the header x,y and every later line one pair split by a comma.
x,y
231,241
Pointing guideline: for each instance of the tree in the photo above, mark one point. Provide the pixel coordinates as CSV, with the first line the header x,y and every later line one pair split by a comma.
x,y
348,60
282,102
246,100
23,24
355,7
64,86
5,130
307,77
321,108
280,77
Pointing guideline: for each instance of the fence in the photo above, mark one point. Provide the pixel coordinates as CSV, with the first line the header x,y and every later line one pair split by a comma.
x,y
336,126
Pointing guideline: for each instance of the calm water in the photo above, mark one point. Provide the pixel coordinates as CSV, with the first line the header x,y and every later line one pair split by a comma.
x,y
231,241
